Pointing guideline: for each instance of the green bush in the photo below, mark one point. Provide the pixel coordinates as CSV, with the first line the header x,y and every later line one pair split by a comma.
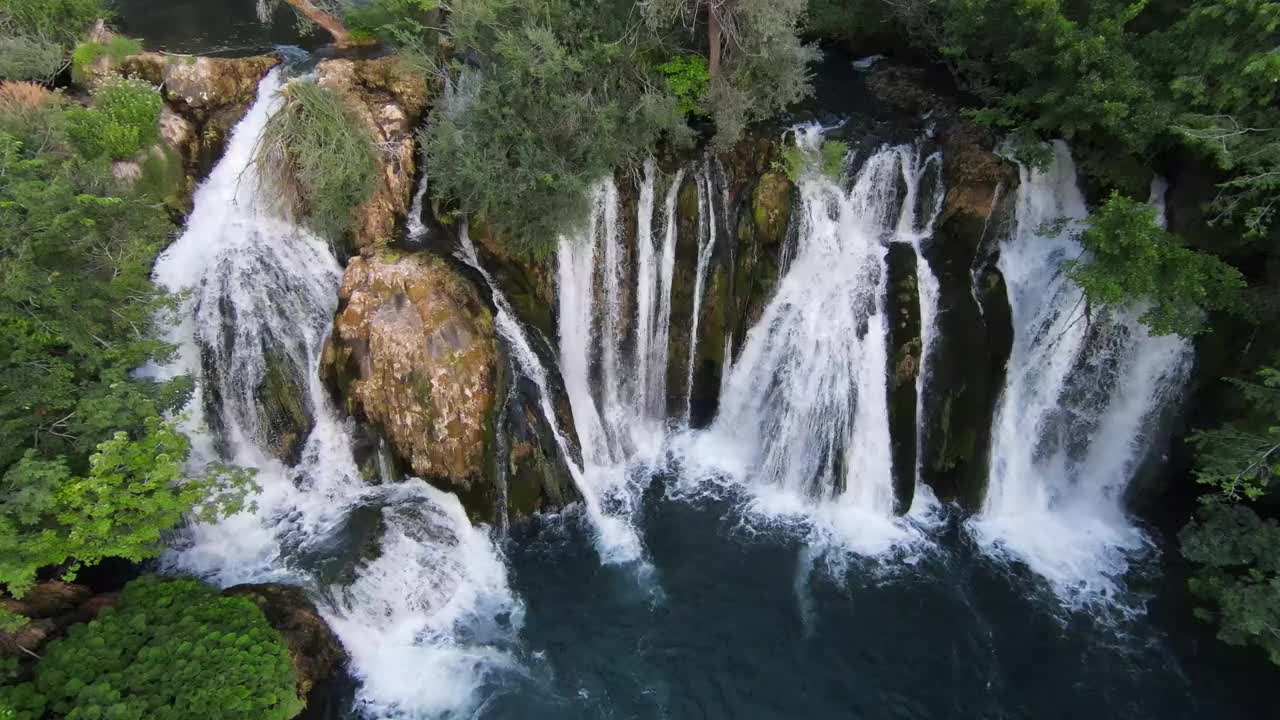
x,y
87,53
170,651
321,156
124,119
25,58
687,75
61,21
828,159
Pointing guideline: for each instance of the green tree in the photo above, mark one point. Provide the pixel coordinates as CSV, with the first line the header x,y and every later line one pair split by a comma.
x,y
171,650
756,61
552,96
134,491
1130,260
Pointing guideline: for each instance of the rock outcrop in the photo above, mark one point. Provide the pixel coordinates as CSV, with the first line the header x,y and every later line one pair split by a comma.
x,y
210,94
48,608
390,99
414,352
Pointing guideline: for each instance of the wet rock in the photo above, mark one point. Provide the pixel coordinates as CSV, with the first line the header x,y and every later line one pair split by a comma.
x,y
528,461
318,656
390,99
414,352
529,284
48,600
904,344
284,415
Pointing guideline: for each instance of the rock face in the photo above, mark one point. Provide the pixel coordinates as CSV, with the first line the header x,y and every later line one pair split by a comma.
x,y
902,310
210,94
390,99
49,608
318,657
414,352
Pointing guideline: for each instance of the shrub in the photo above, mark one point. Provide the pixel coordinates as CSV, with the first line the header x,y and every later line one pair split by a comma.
x,y
687,76
59,20
170,651
25,58
124,119
321,157
88,53
828,159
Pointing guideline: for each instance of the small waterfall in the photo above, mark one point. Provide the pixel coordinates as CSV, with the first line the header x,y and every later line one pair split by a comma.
x,y
706,247
656,366
912,231
618,541
414,227
805,407
428,617
1079,408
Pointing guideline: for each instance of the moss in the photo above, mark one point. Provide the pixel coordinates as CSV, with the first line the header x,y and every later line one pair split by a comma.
x,y
282,411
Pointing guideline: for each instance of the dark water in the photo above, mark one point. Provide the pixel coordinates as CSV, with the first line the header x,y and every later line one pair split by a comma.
x,y
208,27
742,629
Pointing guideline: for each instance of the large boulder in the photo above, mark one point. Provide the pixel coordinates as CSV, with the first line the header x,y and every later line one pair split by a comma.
x,y
319,659
414,352
390,99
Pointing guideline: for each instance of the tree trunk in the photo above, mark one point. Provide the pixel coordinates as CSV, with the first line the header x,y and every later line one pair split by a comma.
x,y
713,38
331,24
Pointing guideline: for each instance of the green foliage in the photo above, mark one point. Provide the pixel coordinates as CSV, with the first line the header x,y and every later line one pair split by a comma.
x,y
59,21
134,491
1241,460
1131,261
828,159
765,65
322,154
1238,574
402,23
123,120
25,58
560,96
170,651
687,76
88,53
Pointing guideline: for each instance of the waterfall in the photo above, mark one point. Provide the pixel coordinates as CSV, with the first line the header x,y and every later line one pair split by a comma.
x,y
804,412
912,231
1080,406
656,366
706,246
618,541
414,227
428,617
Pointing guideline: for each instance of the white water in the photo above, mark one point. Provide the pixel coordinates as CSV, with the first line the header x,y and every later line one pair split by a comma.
x,y
413,224
706,247
1076,416
918,231
617,540
426,621
803,419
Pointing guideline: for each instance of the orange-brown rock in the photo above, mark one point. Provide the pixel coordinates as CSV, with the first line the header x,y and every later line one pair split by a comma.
x,y
414,352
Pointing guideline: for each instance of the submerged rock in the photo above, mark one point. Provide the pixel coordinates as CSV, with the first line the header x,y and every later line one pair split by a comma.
x,y
414,352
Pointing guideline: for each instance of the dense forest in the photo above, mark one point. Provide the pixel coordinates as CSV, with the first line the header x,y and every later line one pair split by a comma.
x,y
536,100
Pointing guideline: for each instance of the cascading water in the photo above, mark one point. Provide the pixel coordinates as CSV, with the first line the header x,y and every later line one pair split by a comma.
x,y
618,542
1079,408
806,405
429,618
706,247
